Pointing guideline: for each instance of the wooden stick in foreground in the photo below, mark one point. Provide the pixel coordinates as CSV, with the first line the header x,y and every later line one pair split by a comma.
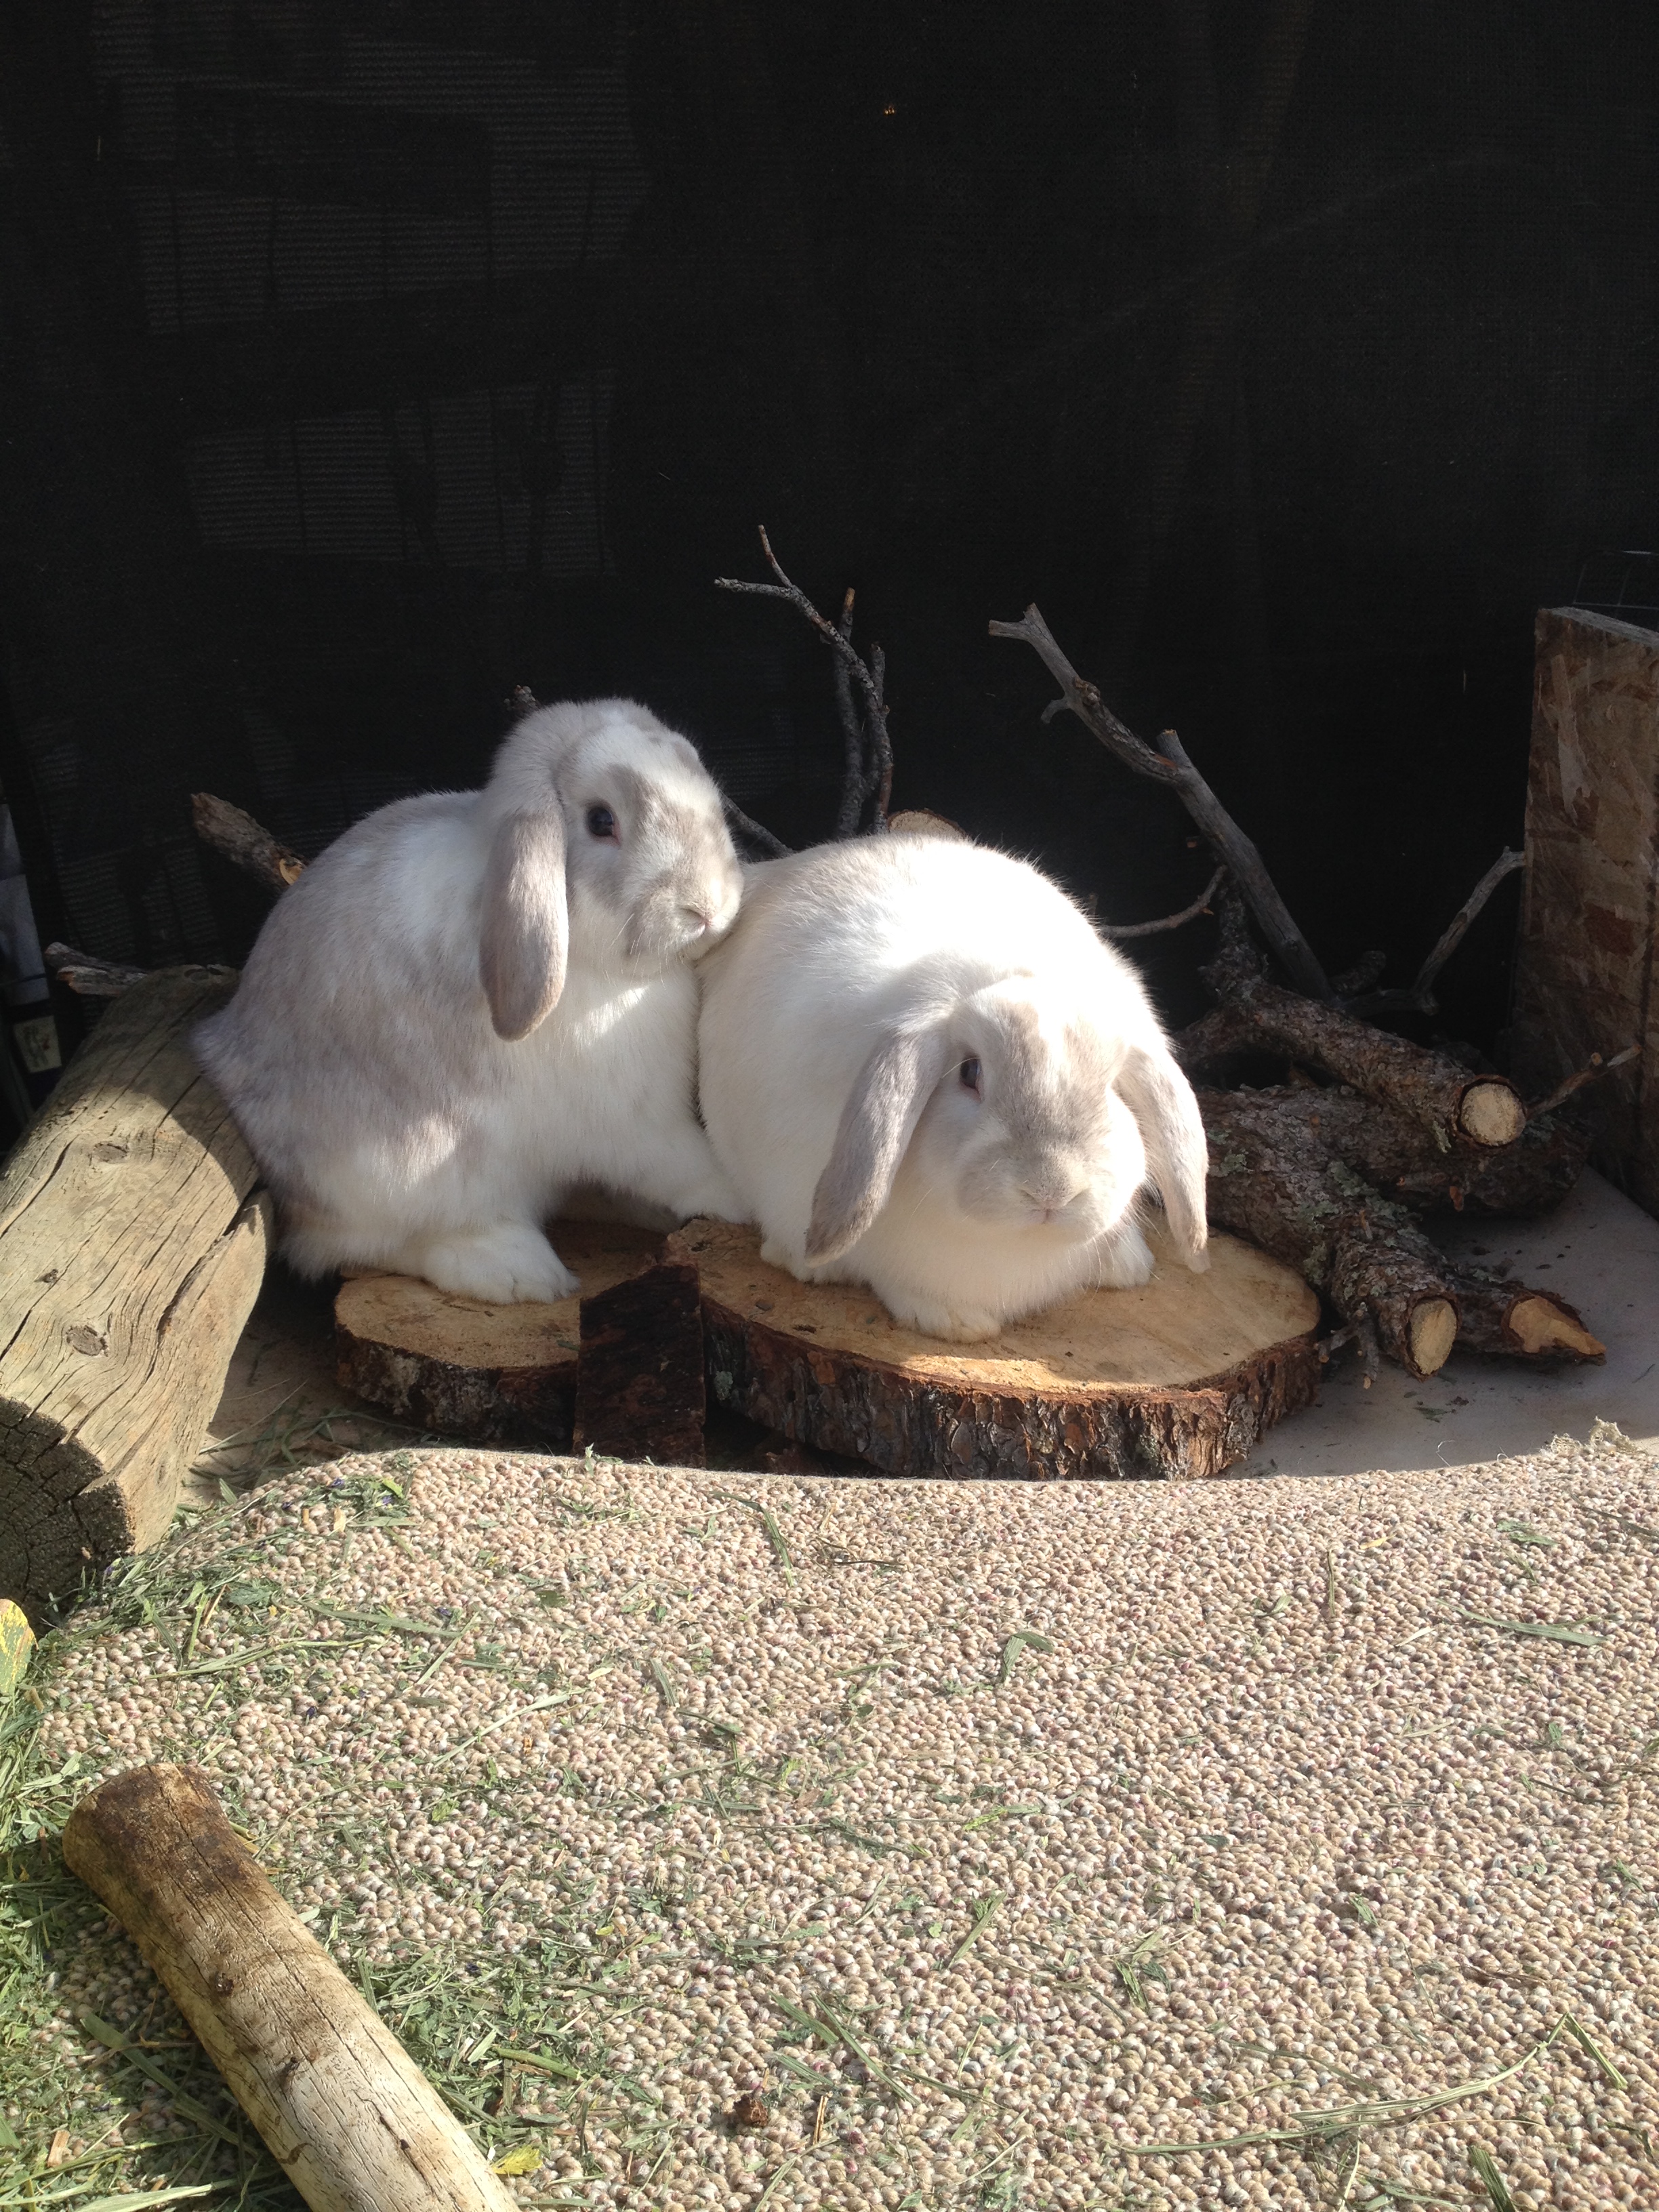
x,y
349,2116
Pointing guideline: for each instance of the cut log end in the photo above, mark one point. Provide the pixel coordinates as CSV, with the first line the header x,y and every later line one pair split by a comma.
x,y
1433,1332
1542,1327
1491,1113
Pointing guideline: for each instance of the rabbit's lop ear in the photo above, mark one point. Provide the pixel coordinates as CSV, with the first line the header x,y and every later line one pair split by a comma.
x,y
523,940
1161,1099
876,1123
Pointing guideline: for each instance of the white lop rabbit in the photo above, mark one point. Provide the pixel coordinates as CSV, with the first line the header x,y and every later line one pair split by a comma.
x,y
924,1071
474,1001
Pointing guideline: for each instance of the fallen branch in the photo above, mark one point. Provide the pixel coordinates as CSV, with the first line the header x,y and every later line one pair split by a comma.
x,y
237,837
1434,1090
1167,762
1516,1323
1298,1171
1395,1153
88,976
1367,1256
348,2115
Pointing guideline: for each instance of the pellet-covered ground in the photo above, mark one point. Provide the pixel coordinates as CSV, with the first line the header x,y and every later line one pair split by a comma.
x,y
994,1836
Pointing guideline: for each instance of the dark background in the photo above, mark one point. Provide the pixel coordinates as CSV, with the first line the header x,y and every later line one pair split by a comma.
x,y
362,358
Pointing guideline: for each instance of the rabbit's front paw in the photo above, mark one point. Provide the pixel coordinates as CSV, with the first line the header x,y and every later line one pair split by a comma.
x,y
510,1264
711,1197
1123,1259
957,1324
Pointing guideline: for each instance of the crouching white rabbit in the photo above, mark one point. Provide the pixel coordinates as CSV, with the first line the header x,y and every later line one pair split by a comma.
x,y
924,1071
474,1001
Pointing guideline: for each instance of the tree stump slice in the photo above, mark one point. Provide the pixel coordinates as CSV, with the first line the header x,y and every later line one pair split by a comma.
x,y
463,1367
1174,1380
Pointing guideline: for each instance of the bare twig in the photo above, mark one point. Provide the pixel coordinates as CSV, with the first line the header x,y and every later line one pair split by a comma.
x,y
828,631
868,777
1592,1073
1419,997
881,744
1370,1350
854,783
1200,905
772,848
1168,763
237,837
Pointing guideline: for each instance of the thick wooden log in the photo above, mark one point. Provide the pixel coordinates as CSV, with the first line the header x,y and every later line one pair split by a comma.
x,y
463,1367
347,2113
1176,1379
639,1389
1431,1088
133,1246
1283,1169
1396,1155
1270,1181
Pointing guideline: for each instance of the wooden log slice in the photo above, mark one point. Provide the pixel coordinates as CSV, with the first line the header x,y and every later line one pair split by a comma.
x,y
463,1367
1177,1379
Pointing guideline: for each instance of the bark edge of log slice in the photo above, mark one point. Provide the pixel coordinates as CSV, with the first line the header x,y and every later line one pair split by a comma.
x,y
1174,1380
462,1367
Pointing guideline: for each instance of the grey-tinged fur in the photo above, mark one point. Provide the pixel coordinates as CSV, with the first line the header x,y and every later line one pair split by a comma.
x,y
1161,1099
876,1123
472,1003
523,940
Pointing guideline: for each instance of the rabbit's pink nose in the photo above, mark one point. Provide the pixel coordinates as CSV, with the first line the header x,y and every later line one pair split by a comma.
x,y
1052,1199
695,919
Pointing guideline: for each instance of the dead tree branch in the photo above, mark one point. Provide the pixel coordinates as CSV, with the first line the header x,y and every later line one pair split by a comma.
x,y
1168,763
1418,998
867,776
237,837
88,976
1200,905
1597,1068
1396,1155
1367,1257
1513,1322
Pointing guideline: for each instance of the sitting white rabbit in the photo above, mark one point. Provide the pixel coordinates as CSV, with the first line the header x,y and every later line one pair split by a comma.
x,y
475,1001
924,1071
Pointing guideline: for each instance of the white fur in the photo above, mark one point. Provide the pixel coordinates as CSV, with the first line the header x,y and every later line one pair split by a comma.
x,y
397,1127
914,954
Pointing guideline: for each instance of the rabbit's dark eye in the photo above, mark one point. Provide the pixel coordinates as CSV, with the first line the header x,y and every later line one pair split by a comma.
x,y
601,822
970,1076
